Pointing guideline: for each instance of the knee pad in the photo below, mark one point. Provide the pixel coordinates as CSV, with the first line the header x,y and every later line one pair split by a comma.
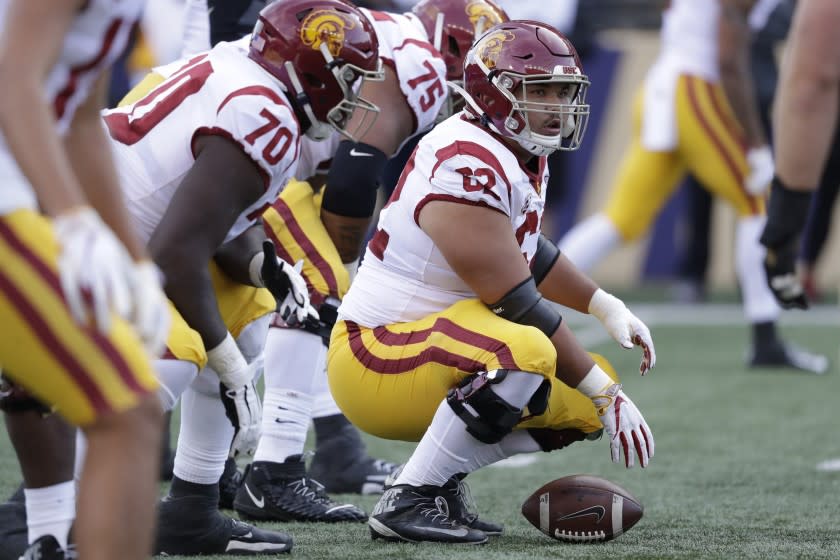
x,y
15,399
488,417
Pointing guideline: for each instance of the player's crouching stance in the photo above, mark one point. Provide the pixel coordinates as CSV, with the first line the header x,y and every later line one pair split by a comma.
x,y
200,156
447,335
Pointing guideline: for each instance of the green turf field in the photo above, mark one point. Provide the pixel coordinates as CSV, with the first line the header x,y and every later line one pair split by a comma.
x,y
736,468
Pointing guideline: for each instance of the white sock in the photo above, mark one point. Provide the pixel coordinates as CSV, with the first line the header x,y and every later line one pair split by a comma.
x,y
759,303
285,422
51,511
174,376
206,433
590,241
293,359
447,448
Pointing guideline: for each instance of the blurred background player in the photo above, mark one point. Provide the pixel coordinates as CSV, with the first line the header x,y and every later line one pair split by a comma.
x,y
231,121
769,22
443,336
697,113
69,284
805,119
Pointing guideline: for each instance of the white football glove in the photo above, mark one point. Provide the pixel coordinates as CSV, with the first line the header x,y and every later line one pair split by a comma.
x,y
625,426
288,286
623,326
240,398
150,314
95,269
762,168
244,410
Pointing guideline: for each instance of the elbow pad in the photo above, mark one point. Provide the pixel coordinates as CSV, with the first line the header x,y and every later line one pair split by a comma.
x,y
526,306
353,180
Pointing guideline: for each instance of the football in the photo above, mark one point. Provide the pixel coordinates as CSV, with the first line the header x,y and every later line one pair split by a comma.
x,y
582,509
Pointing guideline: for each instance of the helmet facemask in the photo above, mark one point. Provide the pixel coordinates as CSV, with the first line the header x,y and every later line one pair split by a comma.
x,y
573,115
349,78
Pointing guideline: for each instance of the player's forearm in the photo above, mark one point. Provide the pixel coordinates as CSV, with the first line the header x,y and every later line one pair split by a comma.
x,y
568,286
807,97
738,85
90,154
235,256
346,233
735,72
30,132
189,287
573,362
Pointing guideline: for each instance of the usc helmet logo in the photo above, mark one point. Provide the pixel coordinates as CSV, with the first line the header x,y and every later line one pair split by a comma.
x,y
490,47
481,13
325,26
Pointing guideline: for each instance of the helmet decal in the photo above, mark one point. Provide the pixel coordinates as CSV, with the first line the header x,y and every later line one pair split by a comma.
x,y
482,16
490,47
325,26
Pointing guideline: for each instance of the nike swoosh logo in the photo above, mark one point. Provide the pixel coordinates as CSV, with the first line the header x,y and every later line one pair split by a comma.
x,y
462,532
353,152
597,511
259,503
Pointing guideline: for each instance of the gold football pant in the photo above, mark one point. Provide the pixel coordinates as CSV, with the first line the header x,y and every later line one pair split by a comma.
x,y
710,145
390,380
79,371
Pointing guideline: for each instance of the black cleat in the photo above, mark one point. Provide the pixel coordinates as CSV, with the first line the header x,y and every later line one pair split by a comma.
x,y
787,355
192,526
283,492
460,502
419,514
229,484
46,547
462,507
342,465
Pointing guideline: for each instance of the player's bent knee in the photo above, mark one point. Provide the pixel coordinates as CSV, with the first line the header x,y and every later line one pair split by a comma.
x,y
490,417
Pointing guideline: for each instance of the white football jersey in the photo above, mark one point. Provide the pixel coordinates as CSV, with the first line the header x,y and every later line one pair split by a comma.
x,y
221,92
690,34
404,47
94,40
404,277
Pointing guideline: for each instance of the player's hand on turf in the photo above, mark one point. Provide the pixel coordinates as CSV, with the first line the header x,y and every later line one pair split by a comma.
x,y
625,427
621,324
288,286
95,270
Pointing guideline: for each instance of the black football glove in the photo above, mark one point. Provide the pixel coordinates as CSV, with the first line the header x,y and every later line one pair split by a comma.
x,y
288,287
786,216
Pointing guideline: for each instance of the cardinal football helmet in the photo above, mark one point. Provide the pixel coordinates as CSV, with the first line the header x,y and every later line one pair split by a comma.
x,y
452,26
320,50
506,59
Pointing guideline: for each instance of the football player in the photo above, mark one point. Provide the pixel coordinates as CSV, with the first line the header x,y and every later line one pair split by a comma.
x,y
79,297
325,229
805,117
201,155
447,335
697,112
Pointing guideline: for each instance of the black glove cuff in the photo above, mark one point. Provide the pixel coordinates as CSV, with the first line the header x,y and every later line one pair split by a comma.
x,y
786,215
